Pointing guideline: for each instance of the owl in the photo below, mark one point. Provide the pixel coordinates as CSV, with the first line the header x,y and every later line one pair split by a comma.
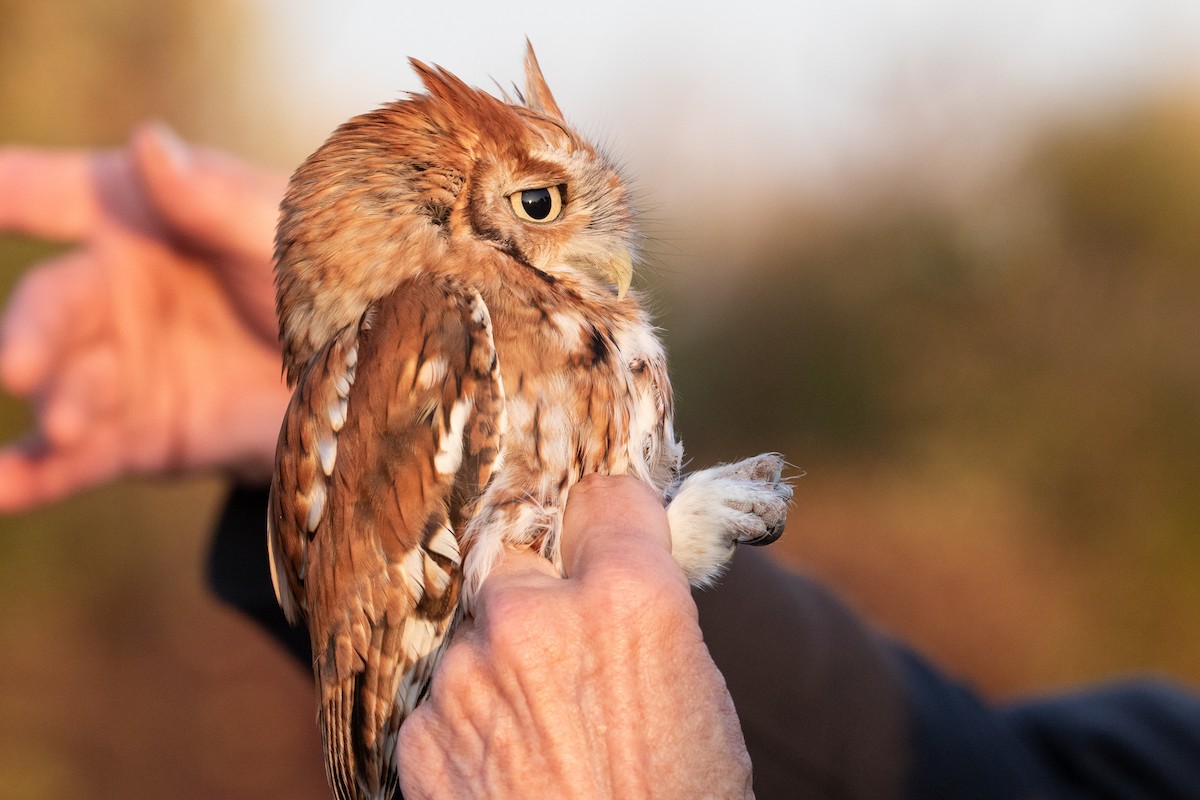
x,y
453,279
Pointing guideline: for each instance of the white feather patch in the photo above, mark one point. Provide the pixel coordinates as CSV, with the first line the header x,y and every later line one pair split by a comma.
x,y
315,499
449,453
569,329
479,310
337,413
644,432
327,452
419,637
436,578
415,682
414,574
444,544
432,372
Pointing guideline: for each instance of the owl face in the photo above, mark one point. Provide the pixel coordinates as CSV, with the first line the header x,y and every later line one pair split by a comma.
x,y
555,205
453,181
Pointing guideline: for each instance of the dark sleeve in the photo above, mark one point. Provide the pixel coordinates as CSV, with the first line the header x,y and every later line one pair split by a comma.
x,y
820,696
833,709
960,747
238,571
1129,740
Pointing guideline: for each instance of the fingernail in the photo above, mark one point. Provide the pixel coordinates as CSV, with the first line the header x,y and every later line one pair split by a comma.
x,y
172,148
15,369
64,425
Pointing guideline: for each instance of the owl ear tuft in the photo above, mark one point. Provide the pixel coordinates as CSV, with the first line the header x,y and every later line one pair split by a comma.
x,y
441,84
537,95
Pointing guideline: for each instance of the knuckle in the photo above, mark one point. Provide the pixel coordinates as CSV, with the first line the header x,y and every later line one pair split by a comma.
x,y
413,734
506,604
637,595
515,619
460,668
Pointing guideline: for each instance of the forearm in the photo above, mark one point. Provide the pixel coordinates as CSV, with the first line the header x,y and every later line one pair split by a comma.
x,y
831,708
821,697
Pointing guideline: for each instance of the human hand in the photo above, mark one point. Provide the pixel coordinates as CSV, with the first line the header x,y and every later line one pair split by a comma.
x,y
593,685
152,348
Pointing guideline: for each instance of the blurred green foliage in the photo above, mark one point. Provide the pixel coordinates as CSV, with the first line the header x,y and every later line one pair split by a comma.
x,y
76,73
1055,337
1037,338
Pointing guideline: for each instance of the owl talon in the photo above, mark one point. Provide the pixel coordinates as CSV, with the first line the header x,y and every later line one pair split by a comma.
x,y
758,541
716,509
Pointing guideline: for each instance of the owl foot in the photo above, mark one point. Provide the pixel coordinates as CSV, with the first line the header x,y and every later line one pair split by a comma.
x,y
715,509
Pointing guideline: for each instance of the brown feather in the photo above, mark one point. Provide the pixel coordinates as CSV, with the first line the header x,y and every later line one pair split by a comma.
x,y
378,577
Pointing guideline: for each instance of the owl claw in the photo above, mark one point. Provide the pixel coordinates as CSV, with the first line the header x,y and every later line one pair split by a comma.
x,y
766,498
718,508
758,541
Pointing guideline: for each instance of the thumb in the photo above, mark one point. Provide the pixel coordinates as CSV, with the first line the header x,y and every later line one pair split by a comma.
x,y
220,206
614,519
213,200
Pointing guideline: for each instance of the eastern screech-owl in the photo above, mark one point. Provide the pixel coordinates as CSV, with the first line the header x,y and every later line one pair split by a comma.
x,y
452,276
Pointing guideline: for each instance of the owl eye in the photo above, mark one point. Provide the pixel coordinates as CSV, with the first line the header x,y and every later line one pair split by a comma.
x,y
537,205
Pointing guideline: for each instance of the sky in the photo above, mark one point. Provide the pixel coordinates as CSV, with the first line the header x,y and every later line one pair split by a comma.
x,y
775,88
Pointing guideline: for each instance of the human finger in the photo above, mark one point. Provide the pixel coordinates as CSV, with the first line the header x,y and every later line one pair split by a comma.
x,y
518,575
54,307
220,205
211,197
50,194
613,519
81,399
32,473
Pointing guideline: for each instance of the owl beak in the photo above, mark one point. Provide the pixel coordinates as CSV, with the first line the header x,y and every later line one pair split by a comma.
x,y
620,270
612,268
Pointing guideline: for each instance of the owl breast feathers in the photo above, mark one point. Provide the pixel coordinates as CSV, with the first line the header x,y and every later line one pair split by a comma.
x,y
452,273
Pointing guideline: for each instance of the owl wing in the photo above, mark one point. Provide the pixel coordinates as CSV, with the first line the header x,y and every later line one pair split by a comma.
x,y
388,441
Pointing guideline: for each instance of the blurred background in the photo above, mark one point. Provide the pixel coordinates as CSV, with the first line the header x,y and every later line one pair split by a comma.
x,y
946,257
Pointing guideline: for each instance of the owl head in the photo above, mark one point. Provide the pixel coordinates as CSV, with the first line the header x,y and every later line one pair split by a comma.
x,y
452,181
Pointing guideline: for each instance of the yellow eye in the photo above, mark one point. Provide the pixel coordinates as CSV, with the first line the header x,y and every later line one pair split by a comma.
x,y
537,205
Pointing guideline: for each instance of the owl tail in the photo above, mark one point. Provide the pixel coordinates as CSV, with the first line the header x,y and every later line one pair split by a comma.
x,y
355,769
